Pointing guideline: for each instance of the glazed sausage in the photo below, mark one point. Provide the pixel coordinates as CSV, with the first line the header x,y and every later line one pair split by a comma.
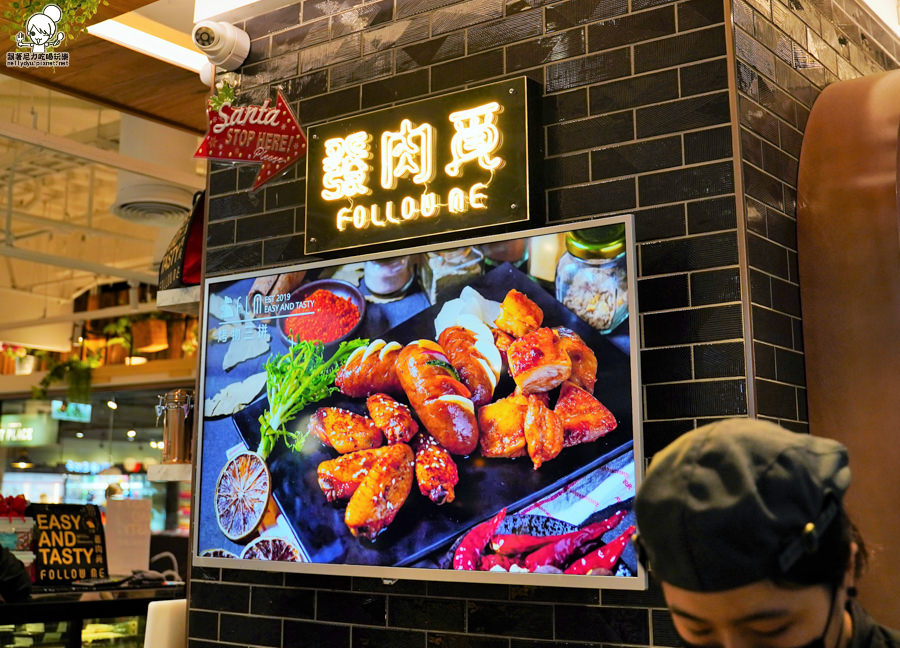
x,y
370,370
474,370
443,403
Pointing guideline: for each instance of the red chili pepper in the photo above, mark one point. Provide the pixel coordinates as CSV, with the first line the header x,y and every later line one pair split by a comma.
x,y
495,560
559,552
468,553
511,544
601,560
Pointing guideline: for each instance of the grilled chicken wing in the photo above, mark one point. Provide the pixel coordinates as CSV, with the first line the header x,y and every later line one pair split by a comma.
x,y
381,494
537,362
543,432
435,469
502,425
370,370
584,362
583,417
518,314
474,369
344,431
394,418
442,403
339,478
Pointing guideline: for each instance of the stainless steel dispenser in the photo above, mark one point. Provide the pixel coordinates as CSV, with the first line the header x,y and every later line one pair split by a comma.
x,y
177,408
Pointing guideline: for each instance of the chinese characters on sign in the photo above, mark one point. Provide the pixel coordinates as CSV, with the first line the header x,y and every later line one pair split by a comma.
x,y
453,162
261,134
409,153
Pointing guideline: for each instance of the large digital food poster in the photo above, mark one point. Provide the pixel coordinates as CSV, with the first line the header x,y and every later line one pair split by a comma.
x,y
466,412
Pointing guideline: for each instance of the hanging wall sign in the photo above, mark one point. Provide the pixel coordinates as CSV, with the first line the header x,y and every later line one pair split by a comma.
x,y
455,162
69,543
267,135
28,430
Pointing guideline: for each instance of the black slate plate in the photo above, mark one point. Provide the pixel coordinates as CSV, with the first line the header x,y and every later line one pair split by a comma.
x,y
485,485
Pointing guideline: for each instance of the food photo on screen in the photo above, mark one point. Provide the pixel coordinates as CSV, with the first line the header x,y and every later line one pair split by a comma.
x,y
470,408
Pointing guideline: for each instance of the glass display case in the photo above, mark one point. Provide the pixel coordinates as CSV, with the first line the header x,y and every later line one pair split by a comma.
x,y
102,617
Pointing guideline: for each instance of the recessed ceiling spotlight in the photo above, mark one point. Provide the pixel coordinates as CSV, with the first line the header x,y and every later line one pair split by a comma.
x,y
79,435
131,434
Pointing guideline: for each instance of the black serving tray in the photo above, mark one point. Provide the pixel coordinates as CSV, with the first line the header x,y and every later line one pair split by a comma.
x,y
485,485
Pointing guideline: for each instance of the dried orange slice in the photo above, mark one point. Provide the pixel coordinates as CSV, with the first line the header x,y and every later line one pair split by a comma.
x,y
217,553
269,548
242,495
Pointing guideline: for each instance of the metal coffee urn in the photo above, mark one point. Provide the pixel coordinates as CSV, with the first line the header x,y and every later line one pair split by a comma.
x,y
177,408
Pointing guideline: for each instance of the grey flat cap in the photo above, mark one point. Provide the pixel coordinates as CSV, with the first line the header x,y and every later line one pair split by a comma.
x,y
727,504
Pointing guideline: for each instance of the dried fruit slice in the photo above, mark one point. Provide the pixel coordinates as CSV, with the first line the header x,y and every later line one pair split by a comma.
x,y
242,495
217,553
267,548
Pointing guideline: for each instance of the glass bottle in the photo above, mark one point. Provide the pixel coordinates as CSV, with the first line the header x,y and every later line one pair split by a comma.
x,y
388,277
591,278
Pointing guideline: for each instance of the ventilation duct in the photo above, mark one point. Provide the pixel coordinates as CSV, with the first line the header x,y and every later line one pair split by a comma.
x,y
148,200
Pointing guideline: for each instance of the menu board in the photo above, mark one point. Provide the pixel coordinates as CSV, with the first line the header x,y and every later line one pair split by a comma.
x,y
465,412
69,543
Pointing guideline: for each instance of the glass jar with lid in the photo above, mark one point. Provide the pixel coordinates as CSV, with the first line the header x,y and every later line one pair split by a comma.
x,y
389,277
591,277
443,271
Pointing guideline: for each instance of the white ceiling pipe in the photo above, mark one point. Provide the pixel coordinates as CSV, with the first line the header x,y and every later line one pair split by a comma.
x,y
78,264
39,138
67,226
82,316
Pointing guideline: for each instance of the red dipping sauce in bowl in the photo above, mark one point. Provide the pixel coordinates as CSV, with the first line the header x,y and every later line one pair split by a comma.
x,y
322,316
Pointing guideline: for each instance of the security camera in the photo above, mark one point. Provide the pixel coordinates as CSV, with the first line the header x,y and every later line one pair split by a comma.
x,y
225,45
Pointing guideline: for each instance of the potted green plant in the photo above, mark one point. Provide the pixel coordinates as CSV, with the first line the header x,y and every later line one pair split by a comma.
x,y
74,371
118,344
149,334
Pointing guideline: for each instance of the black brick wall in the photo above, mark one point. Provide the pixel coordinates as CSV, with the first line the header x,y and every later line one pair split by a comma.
x,y
637,119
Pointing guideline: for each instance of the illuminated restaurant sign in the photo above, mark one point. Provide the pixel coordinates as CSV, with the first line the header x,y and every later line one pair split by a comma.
x,y
69,543
454,162
21,430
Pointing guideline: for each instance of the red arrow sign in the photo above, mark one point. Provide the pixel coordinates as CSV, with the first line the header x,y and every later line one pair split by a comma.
x,y
262,134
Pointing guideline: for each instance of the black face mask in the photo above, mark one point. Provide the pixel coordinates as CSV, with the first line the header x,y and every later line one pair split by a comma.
x,y
818,642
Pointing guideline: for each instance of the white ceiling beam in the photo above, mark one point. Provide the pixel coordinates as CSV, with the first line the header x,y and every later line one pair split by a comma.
x,y
78,264
68,226
39,138
83,316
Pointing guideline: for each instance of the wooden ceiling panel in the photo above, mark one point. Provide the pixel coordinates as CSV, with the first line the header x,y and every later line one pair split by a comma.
x,y
120,78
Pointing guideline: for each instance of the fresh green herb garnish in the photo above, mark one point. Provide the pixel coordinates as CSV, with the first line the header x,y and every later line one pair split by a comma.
x,y
444,365
293,381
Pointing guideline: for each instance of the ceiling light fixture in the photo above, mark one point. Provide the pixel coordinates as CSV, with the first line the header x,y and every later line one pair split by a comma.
x,y
112,404
139,39
131,434
23,462
79,435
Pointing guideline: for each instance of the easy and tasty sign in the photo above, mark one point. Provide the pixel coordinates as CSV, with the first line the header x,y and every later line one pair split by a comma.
x,y
25,430
450,163
68,543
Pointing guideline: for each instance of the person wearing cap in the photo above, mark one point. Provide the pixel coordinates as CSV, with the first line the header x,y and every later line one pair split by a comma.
x,y
742,524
